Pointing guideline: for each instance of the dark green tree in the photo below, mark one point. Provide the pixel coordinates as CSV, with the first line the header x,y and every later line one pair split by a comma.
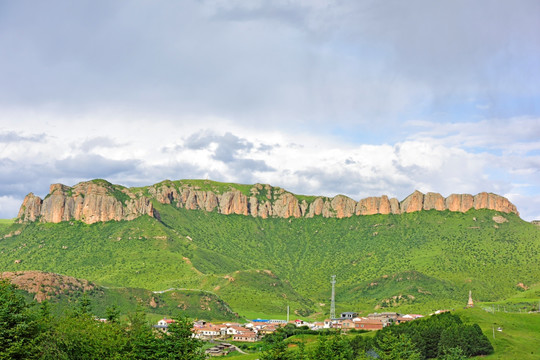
x,y
113,314
275,347
17,325
178,342
335,347
396,347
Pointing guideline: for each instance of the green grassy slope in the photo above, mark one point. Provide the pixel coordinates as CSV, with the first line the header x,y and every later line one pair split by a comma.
x,y
520,335
423,261
194,304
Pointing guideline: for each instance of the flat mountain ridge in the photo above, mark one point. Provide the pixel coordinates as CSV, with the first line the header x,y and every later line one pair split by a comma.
x,y
418,261
99,201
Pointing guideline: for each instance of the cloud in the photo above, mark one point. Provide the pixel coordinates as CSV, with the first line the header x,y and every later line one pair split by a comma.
x,y
282,63
292,92
518,135
9,206
231,150
91,166
14,137
98,142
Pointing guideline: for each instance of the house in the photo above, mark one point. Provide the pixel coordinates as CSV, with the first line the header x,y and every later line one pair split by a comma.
x,y
327,324
207,332
347,324
384,315
268,329
370,324
235,330
221,349
199,323
249,336
402,319
165,322
348,315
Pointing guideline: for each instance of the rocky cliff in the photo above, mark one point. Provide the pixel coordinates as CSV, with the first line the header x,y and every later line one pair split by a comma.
x,y
91,201
267,201
98,200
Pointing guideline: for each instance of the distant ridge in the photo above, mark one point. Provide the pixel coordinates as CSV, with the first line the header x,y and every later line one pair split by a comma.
x,y
98,201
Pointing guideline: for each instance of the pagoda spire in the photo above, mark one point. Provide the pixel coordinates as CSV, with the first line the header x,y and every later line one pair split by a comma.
x,y
470,303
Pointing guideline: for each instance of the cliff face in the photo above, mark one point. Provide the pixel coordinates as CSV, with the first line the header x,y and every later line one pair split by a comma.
x,y
90,202
267,201
98,200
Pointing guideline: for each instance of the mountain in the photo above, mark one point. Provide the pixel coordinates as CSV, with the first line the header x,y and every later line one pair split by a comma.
x,y
64,291
411,261
98,200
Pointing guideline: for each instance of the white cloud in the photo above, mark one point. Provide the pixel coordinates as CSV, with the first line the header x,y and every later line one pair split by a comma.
x,y
9,206
313,96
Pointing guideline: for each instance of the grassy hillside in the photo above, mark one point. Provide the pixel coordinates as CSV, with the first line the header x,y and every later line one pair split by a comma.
x,y
518,338
63,293
413,262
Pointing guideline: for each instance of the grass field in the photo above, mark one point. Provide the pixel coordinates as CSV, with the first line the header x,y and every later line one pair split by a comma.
x,y
520,335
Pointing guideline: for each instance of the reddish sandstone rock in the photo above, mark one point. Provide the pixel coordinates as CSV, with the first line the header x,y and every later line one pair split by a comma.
x,y
434,201
343,206
412,203
368,206
98,200
459,202
30,209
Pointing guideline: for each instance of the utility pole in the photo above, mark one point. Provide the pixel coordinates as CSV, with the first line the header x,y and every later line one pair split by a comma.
x,y
333,303
287,314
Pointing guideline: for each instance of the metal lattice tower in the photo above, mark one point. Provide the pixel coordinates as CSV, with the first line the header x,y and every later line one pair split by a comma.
x,y
333,303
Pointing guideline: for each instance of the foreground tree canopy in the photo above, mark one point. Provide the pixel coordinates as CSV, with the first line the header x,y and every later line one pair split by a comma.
x,y
30,332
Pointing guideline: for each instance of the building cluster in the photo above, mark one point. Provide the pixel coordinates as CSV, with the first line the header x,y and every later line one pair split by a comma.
x,y
375,321
256,329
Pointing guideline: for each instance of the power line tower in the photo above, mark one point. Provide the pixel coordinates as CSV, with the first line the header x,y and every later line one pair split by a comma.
x,y
333,303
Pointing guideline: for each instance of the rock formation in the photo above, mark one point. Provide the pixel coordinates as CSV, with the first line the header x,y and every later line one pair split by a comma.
x,y
90,202
98,200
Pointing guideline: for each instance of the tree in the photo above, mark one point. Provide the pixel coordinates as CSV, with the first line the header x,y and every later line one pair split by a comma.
x,y
455,353
142,343
178,342
17,325
360,345
335,347
396,347
275,347
113,314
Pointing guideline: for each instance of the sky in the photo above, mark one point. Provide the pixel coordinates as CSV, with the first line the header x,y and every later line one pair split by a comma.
x,y
320,97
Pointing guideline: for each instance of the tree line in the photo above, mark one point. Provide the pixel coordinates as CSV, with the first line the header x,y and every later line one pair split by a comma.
x,y
29,331
442,336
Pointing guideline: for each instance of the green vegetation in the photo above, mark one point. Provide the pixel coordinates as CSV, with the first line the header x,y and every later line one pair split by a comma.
x,y
436,336
513,335
27,332
5,224
442,336
412,262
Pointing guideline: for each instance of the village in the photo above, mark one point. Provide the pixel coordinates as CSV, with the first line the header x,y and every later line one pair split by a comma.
x,y
255,330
